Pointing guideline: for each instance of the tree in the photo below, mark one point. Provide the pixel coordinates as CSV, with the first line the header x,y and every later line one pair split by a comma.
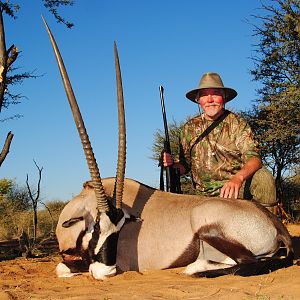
x,y
14,208
21,210
47,225
292,194
174,129
275,115
8,75
35,199
11,193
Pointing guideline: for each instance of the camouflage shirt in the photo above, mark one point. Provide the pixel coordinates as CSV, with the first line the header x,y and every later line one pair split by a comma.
x,y
219,155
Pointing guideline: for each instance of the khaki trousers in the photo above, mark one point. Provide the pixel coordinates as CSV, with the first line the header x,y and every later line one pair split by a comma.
x,y
261,188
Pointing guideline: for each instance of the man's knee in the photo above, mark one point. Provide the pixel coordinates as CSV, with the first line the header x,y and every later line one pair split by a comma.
x,y
263,189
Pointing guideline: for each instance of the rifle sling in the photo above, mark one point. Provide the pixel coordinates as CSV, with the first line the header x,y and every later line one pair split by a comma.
x,y
211,127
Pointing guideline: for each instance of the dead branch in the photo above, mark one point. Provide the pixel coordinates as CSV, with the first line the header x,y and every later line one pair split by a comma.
x,y
12,55
6,147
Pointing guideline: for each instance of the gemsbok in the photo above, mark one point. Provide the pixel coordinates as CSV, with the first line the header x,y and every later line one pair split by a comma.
x,y
119,224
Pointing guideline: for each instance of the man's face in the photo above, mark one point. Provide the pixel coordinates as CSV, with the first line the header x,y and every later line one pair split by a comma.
x,y
211,102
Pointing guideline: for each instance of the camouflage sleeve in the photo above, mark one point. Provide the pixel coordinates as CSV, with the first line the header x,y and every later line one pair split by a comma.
x,y
245,141
184,149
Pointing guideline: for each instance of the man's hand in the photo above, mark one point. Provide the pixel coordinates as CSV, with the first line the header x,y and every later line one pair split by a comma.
x,y
232,187
167,160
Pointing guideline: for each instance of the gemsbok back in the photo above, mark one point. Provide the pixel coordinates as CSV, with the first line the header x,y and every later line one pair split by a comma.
x,y
119,223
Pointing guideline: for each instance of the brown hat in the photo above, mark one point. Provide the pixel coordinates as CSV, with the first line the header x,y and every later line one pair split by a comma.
x,y
208,81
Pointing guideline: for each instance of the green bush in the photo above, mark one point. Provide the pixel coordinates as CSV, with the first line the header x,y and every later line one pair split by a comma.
x,y
15,218
48,217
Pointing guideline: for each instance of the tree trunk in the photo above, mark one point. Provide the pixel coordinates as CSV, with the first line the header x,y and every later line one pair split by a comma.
x,y
35,222
3,61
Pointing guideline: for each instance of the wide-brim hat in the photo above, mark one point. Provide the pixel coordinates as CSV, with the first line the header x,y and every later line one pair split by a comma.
x,y
208,81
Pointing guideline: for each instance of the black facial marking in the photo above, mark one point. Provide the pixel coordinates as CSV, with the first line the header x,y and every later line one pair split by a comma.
x,y
115,214
108,251
94,240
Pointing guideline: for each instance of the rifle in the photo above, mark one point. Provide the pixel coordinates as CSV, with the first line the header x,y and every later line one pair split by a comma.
x,y
172,174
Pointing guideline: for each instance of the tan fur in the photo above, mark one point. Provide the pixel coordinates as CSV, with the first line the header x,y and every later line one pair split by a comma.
x,y
168,235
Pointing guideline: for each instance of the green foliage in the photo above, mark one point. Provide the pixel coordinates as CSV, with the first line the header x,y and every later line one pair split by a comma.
x,y
174,130
52,6
11,195
277,56
13,222
275,115
291,195
48,218
276,127
56,206
13,201
5,186
11,9
16,213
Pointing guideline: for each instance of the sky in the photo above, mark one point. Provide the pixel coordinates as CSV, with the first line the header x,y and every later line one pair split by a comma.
x,y
160,42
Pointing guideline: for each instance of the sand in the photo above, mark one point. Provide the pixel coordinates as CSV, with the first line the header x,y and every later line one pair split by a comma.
x,y
35,279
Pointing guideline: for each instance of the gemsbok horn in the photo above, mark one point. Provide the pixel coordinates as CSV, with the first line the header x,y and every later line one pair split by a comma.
x,y
101,236
208,236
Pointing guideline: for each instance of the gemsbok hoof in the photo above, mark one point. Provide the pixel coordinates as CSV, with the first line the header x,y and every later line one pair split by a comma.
x,y
63,271
100,271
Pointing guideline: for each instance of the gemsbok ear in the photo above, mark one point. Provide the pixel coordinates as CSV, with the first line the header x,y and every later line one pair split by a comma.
x,y
71,222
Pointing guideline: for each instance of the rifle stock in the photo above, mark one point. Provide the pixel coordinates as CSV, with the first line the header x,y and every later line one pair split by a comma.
x,y
172,175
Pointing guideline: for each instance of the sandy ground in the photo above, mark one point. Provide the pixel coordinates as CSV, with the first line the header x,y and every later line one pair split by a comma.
x,y
35,279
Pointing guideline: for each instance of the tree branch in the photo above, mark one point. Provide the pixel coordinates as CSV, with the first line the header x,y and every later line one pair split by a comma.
x,y
35,200
39,182
6,147
12,54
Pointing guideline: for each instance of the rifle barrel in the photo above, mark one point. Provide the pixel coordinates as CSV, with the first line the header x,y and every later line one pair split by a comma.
x,y
172,175
161,91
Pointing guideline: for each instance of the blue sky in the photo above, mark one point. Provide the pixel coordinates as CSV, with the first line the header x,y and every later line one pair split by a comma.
x,y
160,42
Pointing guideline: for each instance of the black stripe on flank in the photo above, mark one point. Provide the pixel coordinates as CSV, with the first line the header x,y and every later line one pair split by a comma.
x,y
189,255
258,267
215,237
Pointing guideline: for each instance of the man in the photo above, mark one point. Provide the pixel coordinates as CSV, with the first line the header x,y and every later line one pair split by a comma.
x,y
223,159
